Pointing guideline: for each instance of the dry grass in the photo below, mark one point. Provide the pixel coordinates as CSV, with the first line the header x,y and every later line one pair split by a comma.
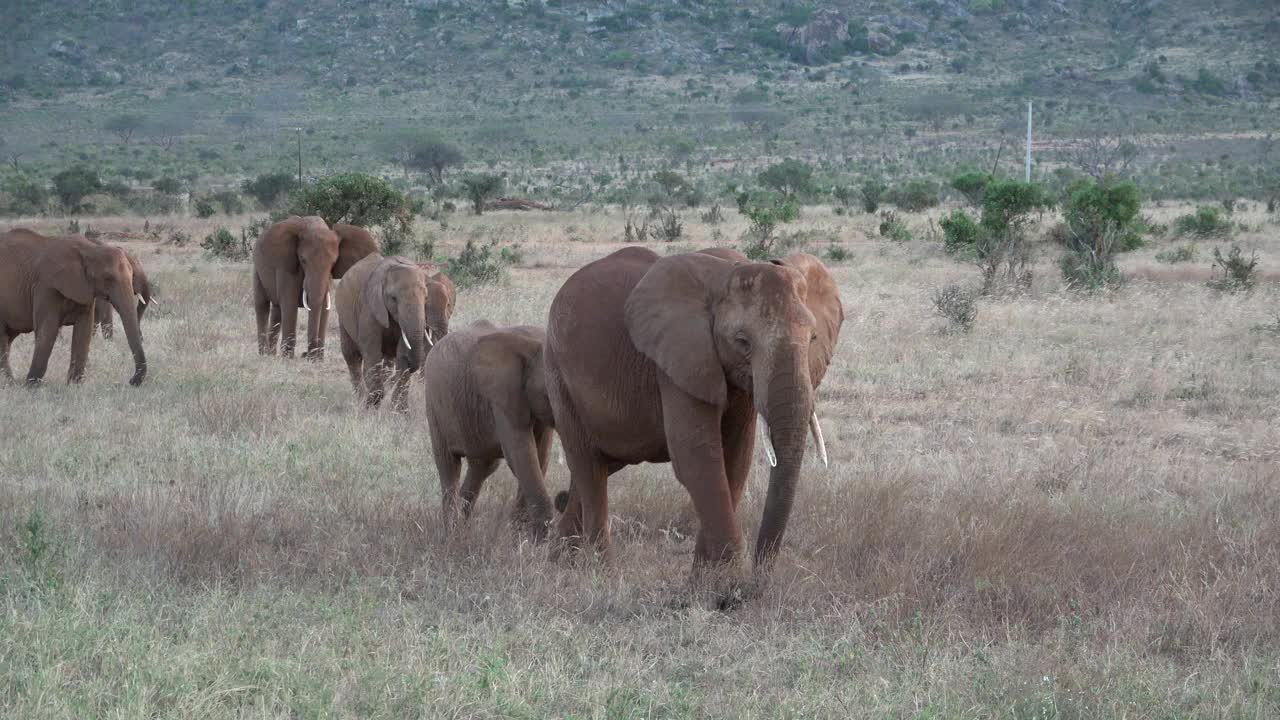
x,y
1072,511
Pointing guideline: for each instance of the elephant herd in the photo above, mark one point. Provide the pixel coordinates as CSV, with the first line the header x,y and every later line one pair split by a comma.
x,y
645,359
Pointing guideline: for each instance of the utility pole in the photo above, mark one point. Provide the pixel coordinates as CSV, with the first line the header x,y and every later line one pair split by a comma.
x,y
300,156
1028,141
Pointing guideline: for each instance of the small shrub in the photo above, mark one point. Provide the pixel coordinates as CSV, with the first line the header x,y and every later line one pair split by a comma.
x,y
713,215
836,253
270,189
765,211
478,265
872,191
959,232
1101,219
178,238
1238,272
204,208
843,194
74,184
1179,254
892,227
1205,222
915,195
224,245
669,226
958,305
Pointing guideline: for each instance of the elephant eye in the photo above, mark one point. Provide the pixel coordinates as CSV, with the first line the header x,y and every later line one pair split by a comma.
x,y
813,336
742,343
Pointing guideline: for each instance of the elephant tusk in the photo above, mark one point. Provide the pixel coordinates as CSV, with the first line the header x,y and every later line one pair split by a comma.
x,y
816,428
305,306
406,339
431,341
155,302
328,301
142,299
768,443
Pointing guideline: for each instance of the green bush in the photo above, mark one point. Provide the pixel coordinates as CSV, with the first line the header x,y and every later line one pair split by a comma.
x,y
1238,272
959,232
1174,255
204,208
959,305
224,245
270,189
25,195
765,211
892,227
479,264
354,198
872,192
1101,220
1007,203
915,195
1205,222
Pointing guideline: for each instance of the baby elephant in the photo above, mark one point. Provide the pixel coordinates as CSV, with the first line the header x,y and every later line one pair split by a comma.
x,y
489,402
390,312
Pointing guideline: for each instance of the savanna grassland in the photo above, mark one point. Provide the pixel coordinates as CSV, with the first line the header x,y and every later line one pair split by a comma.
x,y
1070,511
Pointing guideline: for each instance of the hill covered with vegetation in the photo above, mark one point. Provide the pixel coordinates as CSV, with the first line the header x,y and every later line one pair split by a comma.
x,y
573,99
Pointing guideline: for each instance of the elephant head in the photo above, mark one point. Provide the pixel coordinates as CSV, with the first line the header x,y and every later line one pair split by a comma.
x,y
316,248
769,329
397,292
141,286
508,368
102,272
439,304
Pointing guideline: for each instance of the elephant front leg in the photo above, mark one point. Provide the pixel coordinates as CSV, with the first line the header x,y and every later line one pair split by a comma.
x,y
478,470
268,327
81,333
289,289
694,443
738,433
374,377
400,391
102,319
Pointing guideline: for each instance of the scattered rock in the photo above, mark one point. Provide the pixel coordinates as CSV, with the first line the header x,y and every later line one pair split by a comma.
x,y
879,43
829,27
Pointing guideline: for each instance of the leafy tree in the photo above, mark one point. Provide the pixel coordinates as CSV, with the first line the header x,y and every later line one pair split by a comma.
x,y
972,185
354,198
480,188
434,157
790,177
915,195
1101,219
125,125
74,183
167,186
26,195
872,191
270,189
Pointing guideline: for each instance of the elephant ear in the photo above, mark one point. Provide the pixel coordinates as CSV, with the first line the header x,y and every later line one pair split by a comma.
x,y
440,282
70,277
374,303
500,364
823,300
668,316
354,244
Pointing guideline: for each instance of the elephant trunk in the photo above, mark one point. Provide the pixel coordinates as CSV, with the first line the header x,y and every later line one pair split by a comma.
x,y
437,321
124,301
784,399
315,295
413,332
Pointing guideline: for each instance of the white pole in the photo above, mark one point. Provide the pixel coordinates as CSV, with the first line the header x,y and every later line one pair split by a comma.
x,y
1028,141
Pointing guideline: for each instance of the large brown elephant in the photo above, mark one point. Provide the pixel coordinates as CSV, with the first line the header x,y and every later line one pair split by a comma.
x,y
293,263
671,359
488,401
390,312
141,287
48,282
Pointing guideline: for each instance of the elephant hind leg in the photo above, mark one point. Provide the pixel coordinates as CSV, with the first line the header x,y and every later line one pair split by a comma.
x,y
5,341
478,470
351,354
262,312
47,328
448,467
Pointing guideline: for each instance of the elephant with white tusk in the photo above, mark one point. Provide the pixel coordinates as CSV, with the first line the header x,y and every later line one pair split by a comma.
x,y
390,313
48,282
293,264
676,359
